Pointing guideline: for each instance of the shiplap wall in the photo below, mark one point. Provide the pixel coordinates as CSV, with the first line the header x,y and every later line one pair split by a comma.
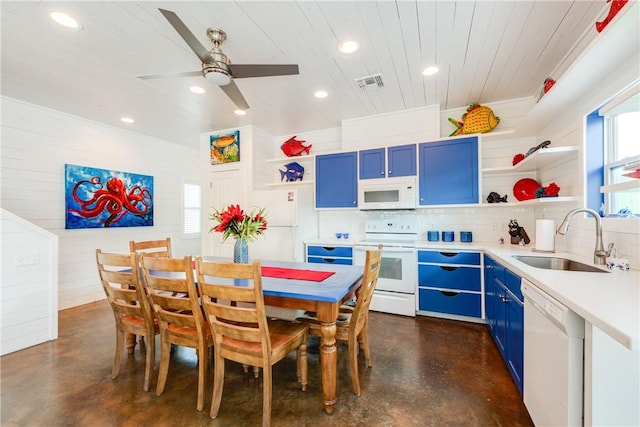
x,y
36,144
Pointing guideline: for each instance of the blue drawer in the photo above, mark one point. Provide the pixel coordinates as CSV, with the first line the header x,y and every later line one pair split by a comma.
x,y
513,284
331,251
458,303
449,257
321,260
442,276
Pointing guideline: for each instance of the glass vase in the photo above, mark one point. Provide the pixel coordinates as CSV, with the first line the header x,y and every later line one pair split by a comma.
x,y
241,251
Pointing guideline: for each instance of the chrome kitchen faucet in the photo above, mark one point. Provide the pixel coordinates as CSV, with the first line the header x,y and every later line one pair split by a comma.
x,y
599,254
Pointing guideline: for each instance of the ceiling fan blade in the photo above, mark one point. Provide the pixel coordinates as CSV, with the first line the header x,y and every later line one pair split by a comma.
x,y
262,70
168,75
187,35
233,92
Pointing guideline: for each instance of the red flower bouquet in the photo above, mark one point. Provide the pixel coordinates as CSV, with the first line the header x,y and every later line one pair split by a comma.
x,y
233,221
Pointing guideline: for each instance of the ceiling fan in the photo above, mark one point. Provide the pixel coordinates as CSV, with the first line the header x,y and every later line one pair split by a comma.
x,y
216,66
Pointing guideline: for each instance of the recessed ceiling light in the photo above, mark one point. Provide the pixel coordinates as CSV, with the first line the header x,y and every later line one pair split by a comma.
x,y
430,71
127,119
64,20
321,94
348,46
197,89
240,113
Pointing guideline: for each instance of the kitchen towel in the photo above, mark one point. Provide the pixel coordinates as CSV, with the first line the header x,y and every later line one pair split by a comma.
x,y
545,235
294,273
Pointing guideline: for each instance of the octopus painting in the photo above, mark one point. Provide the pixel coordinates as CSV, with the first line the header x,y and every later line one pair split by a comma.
x,y
97,198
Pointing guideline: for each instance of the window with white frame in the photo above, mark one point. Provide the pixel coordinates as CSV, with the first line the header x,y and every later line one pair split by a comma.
x,y
192,208
621,146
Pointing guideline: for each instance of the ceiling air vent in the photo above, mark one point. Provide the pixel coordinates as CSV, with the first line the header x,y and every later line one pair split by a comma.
x,y
369,83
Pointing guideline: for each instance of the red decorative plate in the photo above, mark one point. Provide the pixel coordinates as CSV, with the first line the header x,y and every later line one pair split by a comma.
x,y
525,189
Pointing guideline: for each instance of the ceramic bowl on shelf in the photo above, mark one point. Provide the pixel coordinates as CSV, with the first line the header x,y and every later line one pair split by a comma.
x,y
525,189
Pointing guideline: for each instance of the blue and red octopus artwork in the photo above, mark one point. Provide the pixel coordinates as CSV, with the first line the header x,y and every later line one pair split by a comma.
x,y
99,198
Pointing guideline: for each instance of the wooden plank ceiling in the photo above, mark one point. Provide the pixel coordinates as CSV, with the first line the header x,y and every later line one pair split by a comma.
x,y
487,51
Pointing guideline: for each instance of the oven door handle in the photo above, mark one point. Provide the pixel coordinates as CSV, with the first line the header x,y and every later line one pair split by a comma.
x,y
387,249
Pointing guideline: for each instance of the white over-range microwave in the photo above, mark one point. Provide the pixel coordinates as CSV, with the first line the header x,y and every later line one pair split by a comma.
x,y
387,193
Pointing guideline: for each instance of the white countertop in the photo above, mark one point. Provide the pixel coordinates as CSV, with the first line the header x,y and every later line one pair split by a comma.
x,y
610,301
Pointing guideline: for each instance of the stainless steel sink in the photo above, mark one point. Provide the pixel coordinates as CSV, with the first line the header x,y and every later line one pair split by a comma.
x,y
555,263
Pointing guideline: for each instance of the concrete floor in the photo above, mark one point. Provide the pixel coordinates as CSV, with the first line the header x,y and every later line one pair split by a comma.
x,y
426,372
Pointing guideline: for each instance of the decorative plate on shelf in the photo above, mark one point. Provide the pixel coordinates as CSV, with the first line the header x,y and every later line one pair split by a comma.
x,y
525,189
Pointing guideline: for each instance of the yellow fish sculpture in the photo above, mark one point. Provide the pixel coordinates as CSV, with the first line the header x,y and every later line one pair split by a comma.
x,y
477,119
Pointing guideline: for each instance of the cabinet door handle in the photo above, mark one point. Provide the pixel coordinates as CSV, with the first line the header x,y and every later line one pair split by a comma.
x,y
449,293
448,268
448,254
329,260
327,248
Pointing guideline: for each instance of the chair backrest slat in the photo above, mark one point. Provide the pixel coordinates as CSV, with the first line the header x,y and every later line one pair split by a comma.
x,y
373,262
235,310
119,276
158,248
171,288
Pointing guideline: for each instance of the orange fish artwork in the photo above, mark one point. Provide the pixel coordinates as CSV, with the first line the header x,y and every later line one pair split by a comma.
x,y
477,119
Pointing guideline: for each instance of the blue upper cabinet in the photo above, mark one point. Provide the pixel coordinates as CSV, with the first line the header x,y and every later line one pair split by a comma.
x,y
401,161
337,180
448,172
372,163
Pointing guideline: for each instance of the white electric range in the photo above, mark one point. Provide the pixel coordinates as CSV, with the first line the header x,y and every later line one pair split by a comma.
x,y
397,282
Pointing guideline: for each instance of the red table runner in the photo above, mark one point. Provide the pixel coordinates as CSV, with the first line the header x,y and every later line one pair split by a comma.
x,y
294,273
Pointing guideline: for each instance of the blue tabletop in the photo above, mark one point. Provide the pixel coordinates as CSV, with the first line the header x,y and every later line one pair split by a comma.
x,y
332,289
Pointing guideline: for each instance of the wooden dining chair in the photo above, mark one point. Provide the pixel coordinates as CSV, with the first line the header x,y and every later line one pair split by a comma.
x,y
352,323
171,289
133,314
159,248
234,306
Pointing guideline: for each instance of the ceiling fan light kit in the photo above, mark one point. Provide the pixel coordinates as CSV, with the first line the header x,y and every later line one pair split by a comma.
x,y
216,76
216,66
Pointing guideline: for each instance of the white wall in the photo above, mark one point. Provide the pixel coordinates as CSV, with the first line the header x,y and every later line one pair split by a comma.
x,y
624,232
36,144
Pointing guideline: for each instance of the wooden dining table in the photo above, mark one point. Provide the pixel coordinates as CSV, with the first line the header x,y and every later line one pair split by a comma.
x,y
322,297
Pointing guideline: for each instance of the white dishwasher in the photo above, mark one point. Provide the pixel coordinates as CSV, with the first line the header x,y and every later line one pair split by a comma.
x,y
553,360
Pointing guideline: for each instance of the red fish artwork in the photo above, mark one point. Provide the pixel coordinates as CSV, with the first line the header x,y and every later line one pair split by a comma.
x,y
293,147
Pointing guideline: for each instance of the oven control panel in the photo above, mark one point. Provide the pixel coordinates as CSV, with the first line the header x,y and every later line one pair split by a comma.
x,y
404,226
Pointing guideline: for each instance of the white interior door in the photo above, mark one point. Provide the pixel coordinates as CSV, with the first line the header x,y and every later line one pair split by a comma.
x,y
225,188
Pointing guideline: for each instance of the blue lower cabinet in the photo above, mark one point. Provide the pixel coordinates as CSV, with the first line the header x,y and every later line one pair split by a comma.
x,y
330,251
450,283
450,302
327,260
330,254
505,316
450,277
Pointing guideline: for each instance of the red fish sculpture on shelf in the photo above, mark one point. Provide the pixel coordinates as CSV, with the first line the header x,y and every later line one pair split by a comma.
x,y
293,147
616,5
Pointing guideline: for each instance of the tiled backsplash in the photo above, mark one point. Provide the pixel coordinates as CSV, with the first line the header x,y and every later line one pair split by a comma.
x,y
488,224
